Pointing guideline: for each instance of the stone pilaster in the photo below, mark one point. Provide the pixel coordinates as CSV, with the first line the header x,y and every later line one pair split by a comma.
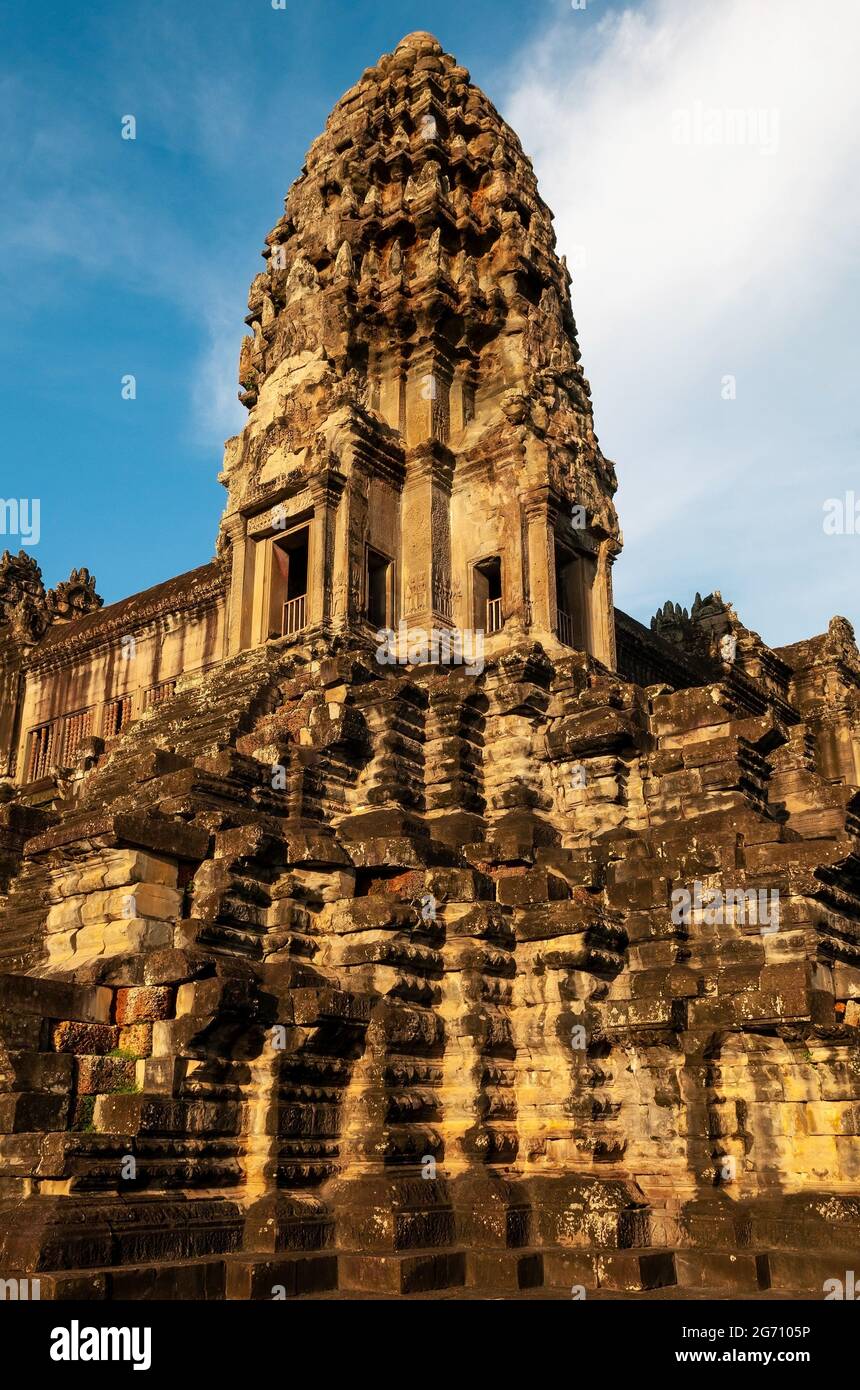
x,y
326,562
425,525
540,513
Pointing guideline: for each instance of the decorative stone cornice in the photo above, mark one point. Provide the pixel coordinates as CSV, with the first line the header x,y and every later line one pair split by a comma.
x,y
261,496
541,502
432,460
76,640
326,488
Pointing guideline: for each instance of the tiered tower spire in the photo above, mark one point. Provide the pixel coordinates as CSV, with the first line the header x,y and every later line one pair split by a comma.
x,y
417,405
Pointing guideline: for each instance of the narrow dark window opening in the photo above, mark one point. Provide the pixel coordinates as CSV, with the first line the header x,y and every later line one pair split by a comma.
x,y
289,611
566,597
487,595
378,589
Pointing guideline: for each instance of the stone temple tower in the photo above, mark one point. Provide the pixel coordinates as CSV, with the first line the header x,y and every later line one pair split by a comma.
x,y
322,971
420,451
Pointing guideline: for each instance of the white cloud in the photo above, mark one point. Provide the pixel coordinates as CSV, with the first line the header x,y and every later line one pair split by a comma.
x,y
217,412
68,215
706,259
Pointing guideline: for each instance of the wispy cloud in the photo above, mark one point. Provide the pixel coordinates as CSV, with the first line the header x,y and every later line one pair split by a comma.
x,y
79,202
216,410
724,247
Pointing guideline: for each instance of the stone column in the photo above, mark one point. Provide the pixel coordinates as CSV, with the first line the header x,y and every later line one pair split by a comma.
x,y
426,532
428,391
391,386
603,608
326,489
540,513
241,585
11,699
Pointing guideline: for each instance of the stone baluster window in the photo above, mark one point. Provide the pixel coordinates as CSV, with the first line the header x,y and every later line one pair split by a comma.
x,y
288,599
487,595
117,716
76,727
40,752
157,694
567,597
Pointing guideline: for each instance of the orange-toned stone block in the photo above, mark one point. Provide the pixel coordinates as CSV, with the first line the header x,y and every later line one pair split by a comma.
x,y
84,1038
96,1075
143,1004
137,1039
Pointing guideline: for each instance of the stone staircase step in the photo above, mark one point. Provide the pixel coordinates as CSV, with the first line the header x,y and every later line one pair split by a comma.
x,y
609,1269
717,1270
803,1271
504,1270
413,1271
281,1276
475,1273
194,1280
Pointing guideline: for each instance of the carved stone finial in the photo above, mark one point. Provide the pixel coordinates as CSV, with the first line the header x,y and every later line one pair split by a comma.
x,y
73,597
671,622
700,630
841,641
22,598
343,265
420,41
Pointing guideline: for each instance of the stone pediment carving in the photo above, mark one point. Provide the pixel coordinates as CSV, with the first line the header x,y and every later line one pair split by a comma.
x,y
22,598
27,610
73,597
841,642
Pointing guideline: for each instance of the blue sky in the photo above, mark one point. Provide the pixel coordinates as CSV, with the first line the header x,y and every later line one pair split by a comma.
x,y
690,263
